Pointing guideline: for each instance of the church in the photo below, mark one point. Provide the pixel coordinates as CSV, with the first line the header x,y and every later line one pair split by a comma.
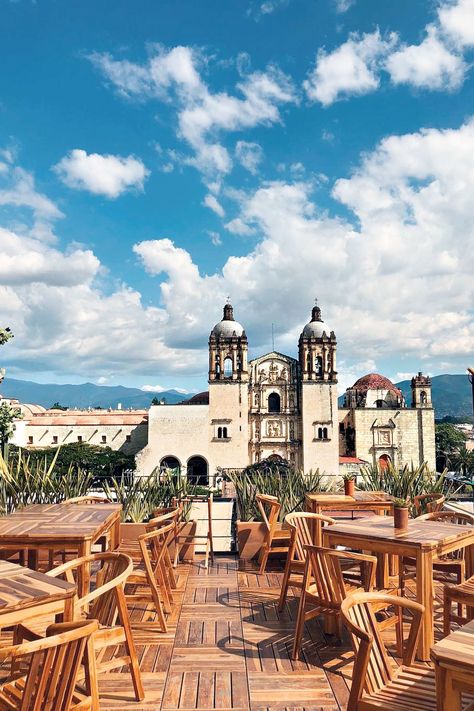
x,y
285,408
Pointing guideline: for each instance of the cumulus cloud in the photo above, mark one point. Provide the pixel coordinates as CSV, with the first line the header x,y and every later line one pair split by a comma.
x,y
429,65
343,5
351,69
213,204
411,198
107,175
173,75
250,155
238,227
456,19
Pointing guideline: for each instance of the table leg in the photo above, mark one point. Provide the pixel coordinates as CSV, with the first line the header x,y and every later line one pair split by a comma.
x,y
448,696
69,609
424,595
84,572
33,558
382,574
469,556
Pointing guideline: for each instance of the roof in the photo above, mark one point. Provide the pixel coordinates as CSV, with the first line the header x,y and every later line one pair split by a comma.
x,y
198,399
351,460
374,381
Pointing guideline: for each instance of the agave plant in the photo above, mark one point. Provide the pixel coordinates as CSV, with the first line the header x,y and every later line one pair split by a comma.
x,y
275,479
404,483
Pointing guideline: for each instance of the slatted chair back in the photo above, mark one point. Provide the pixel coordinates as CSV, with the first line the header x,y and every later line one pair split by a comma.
x,y
269,508
428,503
154,543
461,518
324,573
101,603
53,667
88,500
373,669
306,529
163,516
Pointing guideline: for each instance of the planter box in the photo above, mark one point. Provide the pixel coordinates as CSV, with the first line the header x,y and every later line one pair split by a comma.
x,y
250,537
186,549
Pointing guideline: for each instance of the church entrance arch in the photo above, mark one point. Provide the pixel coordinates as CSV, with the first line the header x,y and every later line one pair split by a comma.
x,y
170,462
274,402
198,471
384,461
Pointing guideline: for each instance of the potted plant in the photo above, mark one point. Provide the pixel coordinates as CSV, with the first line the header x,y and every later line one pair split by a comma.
x,y
276,479
349,484
400,513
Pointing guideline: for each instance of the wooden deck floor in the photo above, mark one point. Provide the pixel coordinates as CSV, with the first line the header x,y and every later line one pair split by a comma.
x,y
228,648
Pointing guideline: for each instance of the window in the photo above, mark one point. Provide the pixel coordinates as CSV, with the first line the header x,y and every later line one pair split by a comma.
x,y
320,432
55,439
219,433
274,402
423,398
228,368
325,432
224,432
30,439
104,439
128,438
380,404
341,427
318,365
79,438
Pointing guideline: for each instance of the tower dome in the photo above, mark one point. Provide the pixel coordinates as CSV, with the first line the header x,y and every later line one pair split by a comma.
x,y
316,327
228,326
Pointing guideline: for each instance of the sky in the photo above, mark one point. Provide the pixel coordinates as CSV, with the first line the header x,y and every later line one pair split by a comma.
x,y
157,158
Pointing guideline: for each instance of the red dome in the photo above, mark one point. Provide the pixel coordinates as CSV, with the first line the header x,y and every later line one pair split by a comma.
x,y
198,399
374,381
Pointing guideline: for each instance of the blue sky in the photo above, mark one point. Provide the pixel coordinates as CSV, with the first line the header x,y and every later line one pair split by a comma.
x,y
157,157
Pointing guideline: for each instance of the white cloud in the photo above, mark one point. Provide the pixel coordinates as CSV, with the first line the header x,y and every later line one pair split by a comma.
x,y
456,19
215,238
351,69
399,286
239,227
107,175
343,5
429,65
172,75
250,155
213,204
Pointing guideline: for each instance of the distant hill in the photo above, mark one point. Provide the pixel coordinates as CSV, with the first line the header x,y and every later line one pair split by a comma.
x,y
451,396
84,395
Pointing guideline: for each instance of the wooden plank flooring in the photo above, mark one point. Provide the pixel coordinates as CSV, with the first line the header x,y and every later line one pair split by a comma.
x,y
228,647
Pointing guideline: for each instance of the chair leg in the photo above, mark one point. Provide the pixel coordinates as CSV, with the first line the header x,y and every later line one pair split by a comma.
x,y
264,553
130,645
169,568
155,596
92,685
284,585
300,620
446,614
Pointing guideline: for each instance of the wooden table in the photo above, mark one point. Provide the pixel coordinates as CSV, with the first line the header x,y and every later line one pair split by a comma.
x,y
422,540
25,593
377,501
59,527
453,658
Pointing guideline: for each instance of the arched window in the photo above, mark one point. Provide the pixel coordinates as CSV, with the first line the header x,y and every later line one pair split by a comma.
x,y
320,432
197,471
325,432
380,404
273,402
228,369
224,432
423,398
318,365
384,461
170,463
219,432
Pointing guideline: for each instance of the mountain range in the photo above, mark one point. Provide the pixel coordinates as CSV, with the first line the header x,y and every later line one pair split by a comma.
x,y
451,395
85,395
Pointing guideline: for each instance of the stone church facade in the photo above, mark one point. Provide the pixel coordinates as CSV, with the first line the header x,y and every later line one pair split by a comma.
x,y
281,407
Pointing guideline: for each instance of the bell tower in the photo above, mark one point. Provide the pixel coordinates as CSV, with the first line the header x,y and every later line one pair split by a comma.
x,y
228,392
319,406
421,391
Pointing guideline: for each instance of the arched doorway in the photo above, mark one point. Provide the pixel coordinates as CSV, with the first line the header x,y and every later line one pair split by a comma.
x,y
170,462
197,471
273,402
384,461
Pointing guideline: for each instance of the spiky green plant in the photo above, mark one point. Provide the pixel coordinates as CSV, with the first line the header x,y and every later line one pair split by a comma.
x,y
275,479
405,482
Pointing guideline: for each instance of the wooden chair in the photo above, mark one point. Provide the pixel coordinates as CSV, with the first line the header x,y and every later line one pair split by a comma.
x,y
376,682
325,588
52,667
463,596
270,507
305,528
453,563
182,539
428,503
106,604
154,546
